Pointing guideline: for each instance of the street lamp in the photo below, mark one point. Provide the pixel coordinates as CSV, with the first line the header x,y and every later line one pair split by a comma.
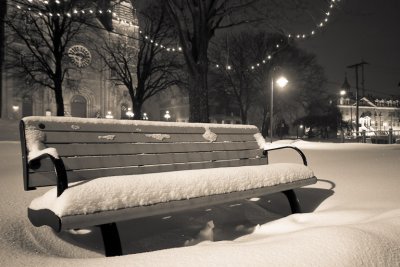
x,y
301,130
281,82
109,115
167,116
129,113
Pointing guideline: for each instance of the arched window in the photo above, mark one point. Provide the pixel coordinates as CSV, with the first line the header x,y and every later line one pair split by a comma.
x,y
78,106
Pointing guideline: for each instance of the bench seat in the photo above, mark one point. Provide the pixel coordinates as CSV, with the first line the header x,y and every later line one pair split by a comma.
x,y
121,192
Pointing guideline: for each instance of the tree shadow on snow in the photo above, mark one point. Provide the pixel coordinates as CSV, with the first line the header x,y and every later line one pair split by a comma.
x,y
216,223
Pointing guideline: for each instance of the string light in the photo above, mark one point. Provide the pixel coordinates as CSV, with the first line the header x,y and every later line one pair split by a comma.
x,y
298,36
321,24
168,49
75,11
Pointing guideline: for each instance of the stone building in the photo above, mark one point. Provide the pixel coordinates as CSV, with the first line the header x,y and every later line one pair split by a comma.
x,y
89,90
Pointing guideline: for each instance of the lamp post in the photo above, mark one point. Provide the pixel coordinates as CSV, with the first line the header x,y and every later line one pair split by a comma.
x,y
281,82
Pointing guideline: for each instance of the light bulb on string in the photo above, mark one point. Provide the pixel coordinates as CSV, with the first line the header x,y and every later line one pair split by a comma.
x,y
276,45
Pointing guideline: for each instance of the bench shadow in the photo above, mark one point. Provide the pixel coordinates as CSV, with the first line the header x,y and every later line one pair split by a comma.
x,y
223,222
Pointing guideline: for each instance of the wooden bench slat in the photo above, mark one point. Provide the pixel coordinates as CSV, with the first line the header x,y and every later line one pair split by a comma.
x,y
38,179
115,137
73,163
129,149
91,125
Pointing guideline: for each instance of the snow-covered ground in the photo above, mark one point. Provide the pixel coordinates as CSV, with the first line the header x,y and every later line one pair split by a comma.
x,y
352,218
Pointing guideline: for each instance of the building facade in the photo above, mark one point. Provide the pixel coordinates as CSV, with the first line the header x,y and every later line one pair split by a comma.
x,y
89,90
375,114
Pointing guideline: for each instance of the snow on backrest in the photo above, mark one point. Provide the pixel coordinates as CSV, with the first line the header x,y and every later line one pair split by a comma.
x,y
92,148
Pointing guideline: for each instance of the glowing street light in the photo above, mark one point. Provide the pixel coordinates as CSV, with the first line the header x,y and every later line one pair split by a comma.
x,y
343,92
281,82
129,113
167,116
109,115
300,127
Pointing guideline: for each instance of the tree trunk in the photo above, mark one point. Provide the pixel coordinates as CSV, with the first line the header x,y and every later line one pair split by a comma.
x,y
58,76
137,110
198,98
58,92
243,114
265,123
59,102
3,10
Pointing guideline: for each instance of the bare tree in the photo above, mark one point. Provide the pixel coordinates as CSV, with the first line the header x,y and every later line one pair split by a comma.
x,y
44,30
246,63
195,23
233,55
148,69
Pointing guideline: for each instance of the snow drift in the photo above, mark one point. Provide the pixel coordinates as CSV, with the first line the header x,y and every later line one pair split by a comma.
x,y
352,218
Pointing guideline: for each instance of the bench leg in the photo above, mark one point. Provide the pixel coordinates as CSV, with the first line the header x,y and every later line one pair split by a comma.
x,y
112,243
293,201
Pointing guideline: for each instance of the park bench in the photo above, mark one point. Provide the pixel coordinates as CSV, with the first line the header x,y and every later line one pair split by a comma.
x,y
105,171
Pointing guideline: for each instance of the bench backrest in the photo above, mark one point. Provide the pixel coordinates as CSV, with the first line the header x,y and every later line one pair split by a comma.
x,y
92,148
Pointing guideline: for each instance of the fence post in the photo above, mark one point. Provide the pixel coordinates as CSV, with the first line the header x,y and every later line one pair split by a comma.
x,y
364,139
390,136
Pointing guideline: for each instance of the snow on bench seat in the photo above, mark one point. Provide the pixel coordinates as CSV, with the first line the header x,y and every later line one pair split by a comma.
x,y
119,192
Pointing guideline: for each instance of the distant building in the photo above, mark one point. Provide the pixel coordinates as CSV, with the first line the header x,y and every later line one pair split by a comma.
x,y
375,114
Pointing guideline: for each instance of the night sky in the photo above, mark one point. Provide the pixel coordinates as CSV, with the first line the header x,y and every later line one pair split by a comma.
x,y
361,29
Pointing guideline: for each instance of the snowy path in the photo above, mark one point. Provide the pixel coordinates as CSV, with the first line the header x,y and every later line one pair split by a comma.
x,y
354,220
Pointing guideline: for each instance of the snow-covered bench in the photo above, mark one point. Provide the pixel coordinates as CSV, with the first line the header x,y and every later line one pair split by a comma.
x,y
105,171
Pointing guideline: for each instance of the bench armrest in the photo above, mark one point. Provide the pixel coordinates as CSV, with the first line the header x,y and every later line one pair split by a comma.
x,y
303,157
59,168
